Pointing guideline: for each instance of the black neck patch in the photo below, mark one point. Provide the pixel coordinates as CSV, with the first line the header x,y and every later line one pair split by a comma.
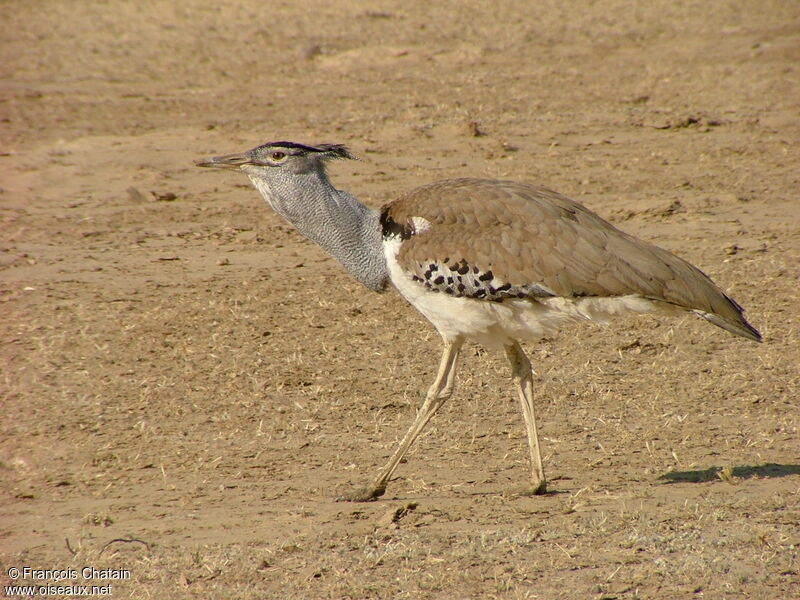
x,y
391,228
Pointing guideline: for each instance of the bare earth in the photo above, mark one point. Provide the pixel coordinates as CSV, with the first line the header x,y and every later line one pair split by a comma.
x,y
187,383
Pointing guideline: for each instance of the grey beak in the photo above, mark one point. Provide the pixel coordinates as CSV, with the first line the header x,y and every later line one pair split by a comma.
x,y
229,161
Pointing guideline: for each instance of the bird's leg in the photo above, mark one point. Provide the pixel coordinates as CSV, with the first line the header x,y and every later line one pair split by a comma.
x,y
437,394
522,373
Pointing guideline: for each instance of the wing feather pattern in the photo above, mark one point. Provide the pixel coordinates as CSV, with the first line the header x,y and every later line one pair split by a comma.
x,y
536,240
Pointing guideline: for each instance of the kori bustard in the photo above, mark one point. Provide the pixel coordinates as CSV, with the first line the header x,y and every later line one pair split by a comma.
x,y
491,261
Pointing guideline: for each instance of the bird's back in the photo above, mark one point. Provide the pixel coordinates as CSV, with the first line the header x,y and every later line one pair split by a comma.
x,y
504,240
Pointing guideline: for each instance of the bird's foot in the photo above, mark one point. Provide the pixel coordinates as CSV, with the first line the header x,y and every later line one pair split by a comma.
x,y
537,489
363,494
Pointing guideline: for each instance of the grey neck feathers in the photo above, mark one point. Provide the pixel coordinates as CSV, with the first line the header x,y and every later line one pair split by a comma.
x,y
341,225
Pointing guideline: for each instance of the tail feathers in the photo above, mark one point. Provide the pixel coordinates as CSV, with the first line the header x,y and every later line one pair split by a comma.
x,y
739,327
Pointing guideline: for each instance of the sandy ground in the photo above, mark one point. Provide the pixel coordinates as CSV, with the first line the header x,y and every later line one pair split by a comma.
x,y
186,382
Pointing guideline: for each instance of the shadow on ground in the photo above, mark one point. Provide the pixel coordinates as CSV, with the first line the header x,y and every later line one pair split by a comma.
x,y
770,470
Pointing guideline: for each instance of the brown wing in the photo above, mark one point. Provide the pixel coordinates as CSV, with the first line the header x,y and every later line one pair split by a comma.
x,y
535,239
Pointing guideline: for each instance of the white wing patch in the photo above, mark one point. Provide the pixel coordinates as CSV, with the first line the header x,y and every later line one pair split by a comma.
x,y
420,224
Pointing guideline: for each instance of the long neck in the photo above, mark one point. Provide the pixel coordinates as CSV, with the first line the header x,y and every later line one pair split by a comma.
x,y
341,225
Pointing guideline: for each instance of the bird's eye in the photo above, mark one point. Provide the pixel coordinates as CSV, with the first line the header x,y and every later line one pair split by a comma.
x,y
277,155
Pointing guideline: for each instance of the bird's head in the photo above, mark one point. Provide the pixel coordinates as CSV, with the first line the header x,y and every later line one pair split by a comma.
x,y
267,160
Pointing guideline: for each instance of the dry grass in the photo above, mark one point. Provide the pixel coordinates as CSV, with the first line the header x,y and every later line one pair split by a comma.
x,y
187,384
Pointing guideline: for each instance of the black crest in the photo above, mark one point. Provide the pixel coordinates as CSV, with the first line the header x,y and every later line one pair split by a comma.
x,y
333,151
